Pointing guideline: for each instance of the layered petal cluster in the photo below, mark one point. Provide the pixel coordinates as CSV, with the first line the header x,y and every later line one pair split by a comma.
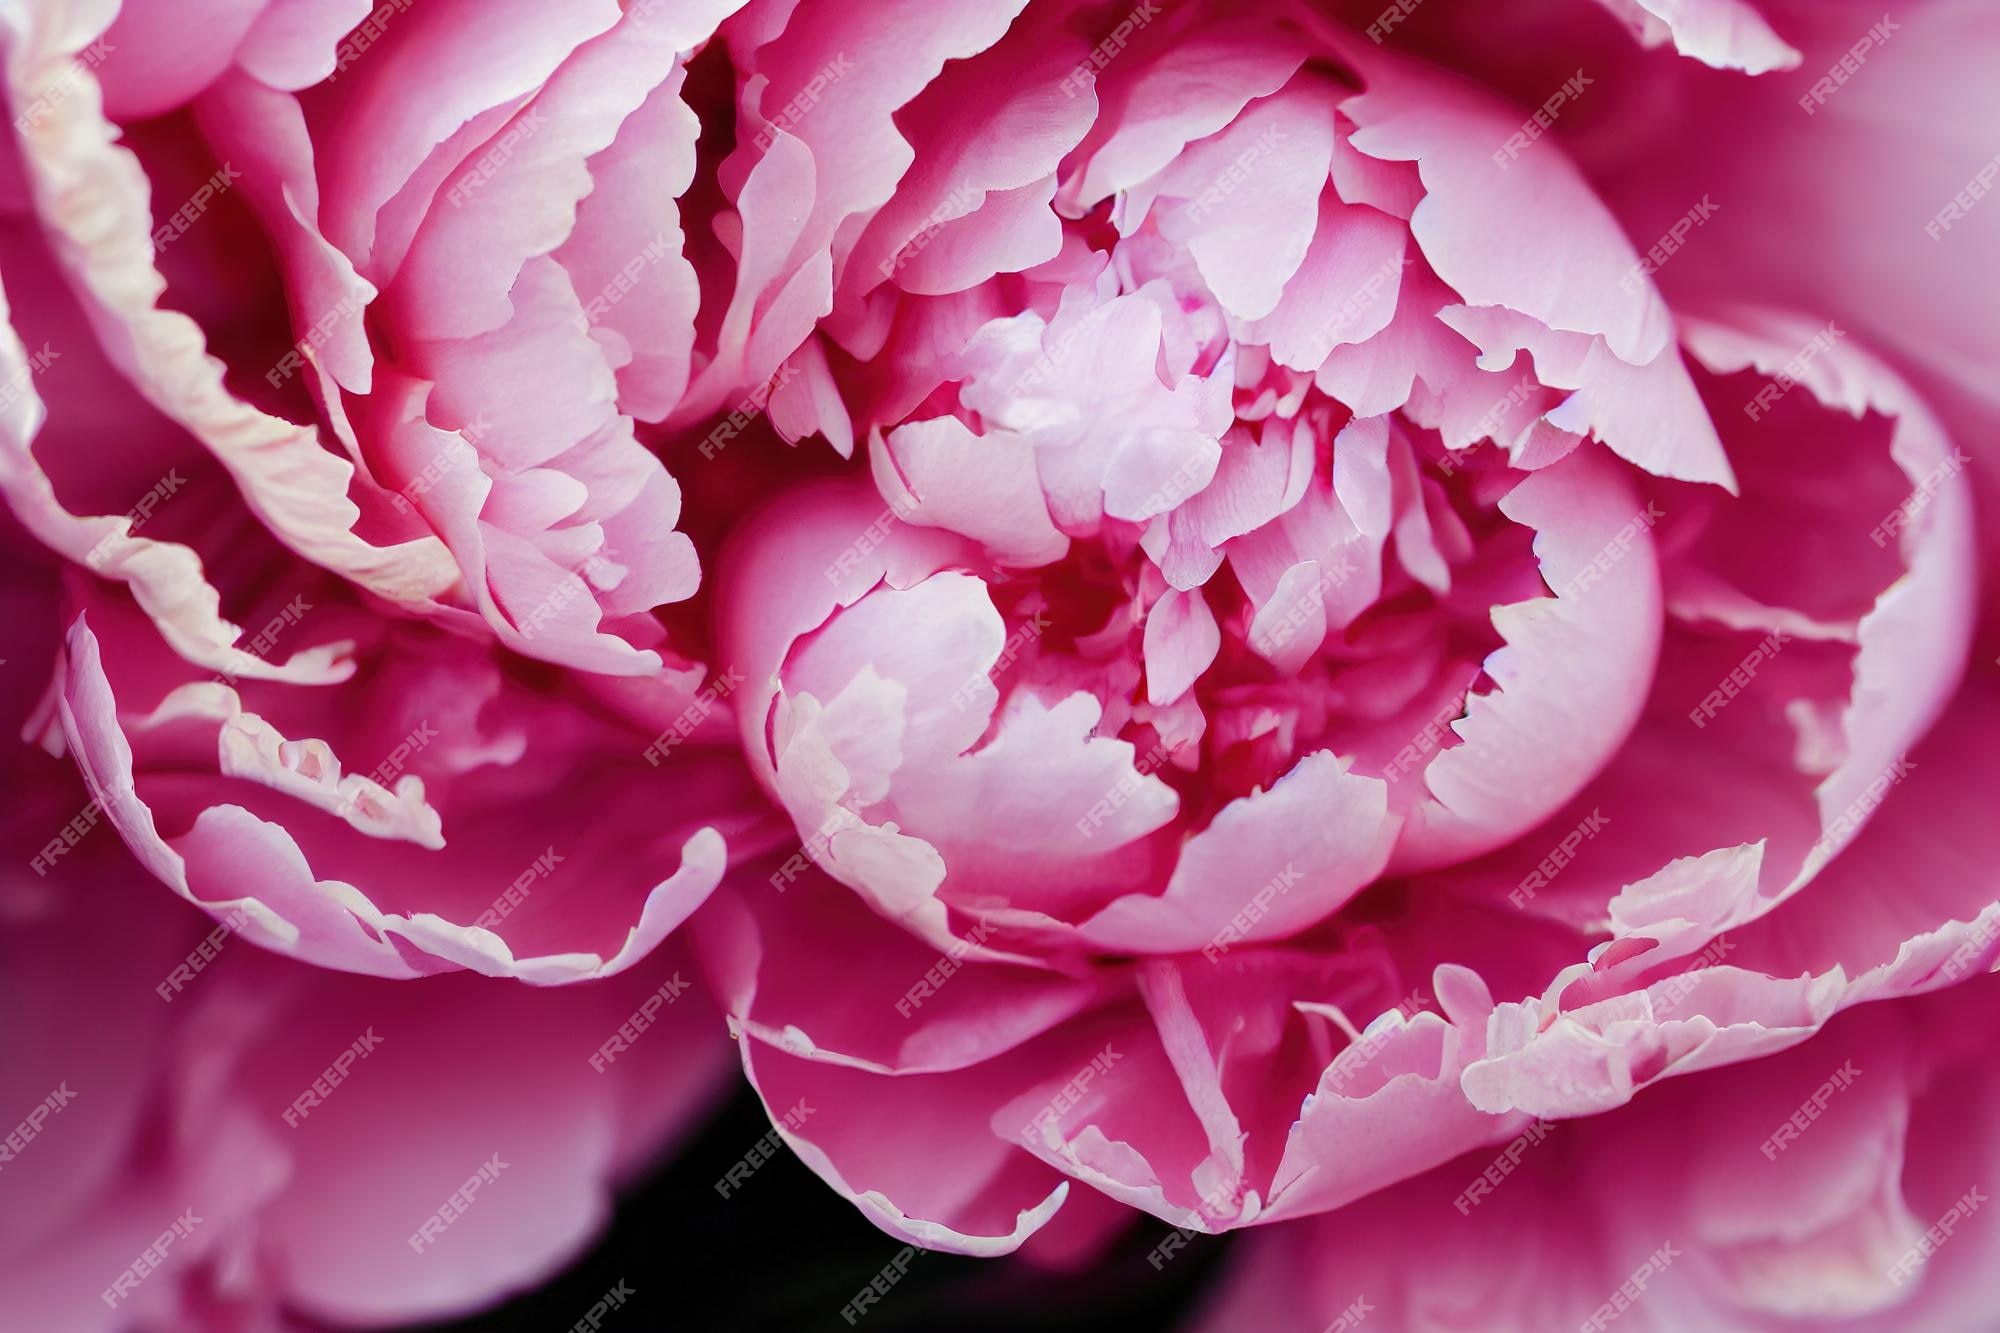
x,y
1875,1217
206,1135
193,1110
358,641
1329,670
1181,603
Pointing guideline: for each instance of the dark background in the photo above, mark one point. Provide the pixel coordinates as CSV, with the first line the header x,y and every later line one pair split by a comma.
x,y
783,1253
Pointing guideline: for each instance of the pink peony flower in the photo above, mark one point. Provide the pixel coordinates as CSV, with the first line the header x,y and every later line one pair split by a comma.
x,y
1331,671
1701,1205
363,679
203,1135
1220,611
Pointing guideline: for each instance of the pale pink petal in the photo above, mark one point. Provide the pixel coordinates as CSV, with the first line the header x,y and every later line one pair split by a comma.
x,y
1726,34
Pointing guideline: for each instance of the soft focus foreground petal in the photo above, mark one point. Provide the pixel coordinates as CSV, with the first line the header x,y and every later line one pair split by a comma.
x,y
193,1065
1727,34
409,1128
